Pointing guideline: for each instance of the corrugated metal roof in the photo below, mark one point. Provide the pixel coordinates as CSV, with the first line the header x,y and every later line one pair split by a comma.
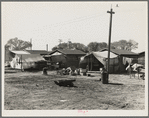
x,y
69,52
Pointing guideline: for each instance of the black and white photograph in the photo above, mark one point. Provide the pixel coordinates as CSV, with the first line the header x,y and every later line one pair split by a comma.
x,y
74,58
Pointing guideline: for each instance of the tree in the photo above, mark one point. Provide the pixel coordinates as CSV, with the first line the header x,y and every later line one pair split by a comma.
x,y
70,45
101,46
125,45
17,44
132,45
95,46
92,46
54,48
80,46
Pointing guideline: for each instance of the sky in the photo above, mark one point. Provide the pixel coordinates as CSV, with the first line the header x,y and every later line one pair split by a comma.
x,y
79,22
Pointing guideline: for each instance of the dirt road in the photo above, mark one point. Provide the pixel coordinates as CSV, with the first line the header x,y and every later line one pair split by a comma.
x,y
32,90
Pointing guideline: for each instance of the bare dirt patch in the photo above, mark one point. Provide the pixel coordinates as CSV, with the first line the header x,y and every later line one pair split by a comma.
x,y
32,90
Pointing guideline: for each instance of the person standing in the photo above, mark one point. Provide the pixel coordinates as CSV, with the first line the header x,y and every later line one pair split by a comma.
x,y
129,69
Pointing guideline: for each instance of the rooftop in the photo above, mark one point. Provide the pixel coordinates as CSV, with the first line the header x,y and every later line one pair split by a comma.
x,y
121,52
37,51
69,52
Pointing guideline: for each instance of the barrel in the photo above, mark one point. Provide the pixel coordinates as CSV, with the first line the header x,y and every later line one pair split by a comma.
x,y
104,77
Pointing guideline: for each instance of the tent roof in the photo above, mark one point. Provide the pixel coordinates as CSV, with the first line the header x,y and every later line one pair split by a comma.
x,y
121,52
101,55
31,57
105,54
69,52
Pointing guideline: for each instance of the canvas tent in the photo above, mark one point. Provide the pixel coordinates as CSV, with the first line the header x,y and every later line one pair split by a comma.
x,y
26,61
119,60
125,57
97,60
9,54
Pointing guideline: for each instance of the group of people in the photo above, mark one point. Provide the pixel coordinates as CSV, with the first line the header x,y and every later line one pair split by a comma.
x,y
132,69
69,71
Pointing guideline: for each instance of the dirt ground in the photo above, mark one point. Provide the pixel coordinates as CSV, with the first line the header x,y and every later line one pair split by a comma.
x,y
34,91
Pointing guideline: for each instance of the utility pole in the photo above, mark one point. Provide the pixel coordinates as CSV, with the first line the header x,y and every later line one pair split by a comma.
x,y
31,43
110,29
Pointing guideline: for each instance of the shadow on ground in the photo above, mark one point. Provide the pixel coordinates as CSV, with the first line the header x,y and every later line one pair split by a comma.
x,y
115,83
10,71
65,83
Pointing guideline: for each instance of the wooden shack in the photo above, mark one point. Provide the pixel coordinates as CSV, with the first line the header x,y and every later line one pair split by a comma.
x,y
65,58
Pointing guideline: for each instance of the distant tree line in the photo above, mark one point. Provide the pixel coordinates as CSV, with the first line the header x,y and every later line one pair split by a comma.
x,y
96,46
18,44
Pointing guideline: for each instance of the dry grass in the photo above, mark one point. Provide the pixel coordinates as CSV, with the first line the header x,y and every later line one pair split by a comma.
x,y
32,90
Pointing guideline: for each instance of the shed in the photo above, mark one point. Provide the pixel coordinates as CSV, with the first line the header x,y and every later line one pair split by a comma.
x,y
65,58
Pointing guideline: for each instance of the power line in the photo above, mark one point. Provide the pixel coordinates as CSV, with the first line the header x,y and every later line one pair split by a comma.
x,y
74,20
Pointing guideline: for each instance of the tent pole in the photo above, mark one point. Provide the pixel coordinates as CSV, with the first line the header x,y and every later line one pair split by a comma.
x,y
113,65
91,62
88,64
